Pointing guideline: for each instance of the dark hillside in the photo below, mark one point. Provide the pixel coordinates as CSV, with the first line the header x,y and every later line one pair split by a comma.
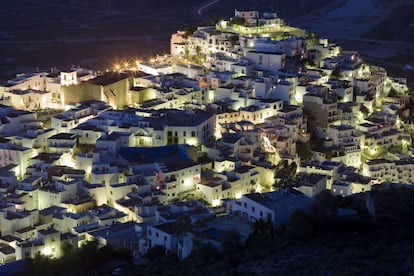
x,y
398,25
98,33
315,244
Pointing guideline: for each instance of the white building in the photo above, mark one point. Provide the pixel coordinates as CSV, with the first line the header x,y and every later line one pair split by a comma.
x,y
311,184
276,206
329,168
15,157
267,61
164,235
62,143
29,99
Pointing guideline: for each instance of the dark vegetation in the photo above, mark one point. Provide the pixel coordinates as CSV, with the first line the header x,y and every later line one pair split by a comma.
x,y
286,175
318,243
87,260
377,241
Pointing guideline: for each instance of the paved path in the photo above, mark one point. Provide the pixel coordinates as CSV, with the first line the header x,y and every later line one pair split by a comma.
x,y
200,10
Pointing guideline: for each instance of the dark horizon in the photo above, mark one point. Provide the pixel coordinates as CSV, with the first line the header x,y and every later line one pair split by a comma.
x,y
97,34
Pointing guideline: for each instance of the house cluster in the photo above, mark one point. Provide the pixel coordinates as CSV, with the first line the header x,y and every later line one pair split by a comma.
x,y
144,156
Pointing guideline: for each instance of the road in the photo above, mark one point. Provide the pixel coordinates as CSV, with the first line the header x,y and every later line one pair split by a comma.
x,y
200,10
383,43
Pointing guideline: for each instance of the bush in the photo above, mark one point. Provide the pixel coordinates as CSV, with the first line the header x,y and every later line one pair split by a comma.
x,y
124,254
155,252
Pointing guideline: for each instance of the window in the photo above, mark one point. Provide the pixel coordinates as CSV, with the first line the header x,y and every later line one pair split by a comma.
x,y
253,209
260,59
193,134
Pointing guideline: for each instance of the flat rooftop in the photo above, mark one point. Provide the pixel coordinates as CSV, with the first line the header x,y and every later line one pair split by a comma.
x,y
108,78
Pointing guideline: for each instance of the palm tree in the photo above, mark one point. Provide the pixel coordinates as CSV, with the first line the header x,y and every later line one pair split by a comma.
x,y
259,227
263,227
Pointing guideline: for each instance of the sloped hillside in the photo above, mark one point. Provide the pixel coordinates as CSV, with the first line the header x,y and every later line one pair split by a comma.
x,y
398,25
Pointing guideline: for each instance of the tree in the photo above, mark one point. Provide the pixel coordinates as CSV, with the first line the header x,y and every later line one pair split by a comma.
x,y
288,170
300,226
189,31
336,73
204,253
264,227
238,21
259,227
364,110
324,205
287,173
68,258
232,241
198,50
186,52
304,151
285,35
233,40
182,225
91,257
293,168
42,264
155,252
